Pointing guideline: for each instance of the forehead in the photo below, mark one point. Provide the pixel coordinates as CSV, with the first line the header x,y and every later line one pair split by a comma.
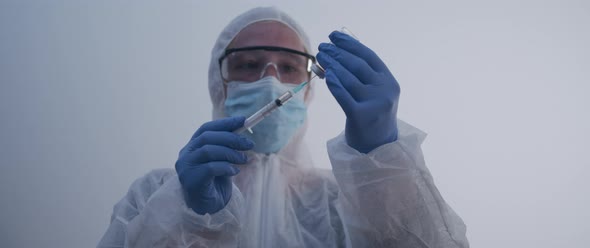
x,y
267,33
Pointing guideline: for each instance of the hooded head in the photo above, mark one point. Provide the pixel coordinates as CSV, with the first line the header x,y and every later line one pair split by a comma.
x,y
227,36
231,37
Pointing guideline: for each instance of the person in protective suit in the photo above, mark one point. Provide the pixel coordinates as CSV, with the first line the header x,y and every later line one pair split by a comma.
x,y
261,189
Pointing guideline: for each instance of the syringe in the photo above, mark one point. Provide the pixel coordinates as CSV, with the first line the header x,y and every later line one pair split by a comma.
x,y
272,106
285,97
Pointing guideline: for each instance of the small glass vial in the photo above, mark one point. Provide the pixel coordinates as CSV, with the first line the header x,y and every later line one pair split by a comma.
x,y
317,69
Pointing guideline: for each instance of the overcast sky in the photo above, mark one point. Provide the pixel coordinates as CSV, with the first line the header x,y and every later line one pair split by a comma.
x,y
95,94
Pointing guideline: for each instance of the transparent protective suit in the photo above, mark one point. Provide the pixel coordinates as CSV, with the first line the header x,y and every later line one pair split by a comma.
x,y
385,198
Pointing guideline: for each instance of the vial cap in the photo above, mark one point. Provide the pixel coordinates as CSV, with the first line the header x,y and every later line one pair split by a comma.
x,y
348,32
318,70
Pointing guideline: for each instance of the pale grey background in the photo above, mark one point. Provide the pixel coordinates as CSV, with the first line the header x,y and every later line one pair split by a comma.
x,y
95,94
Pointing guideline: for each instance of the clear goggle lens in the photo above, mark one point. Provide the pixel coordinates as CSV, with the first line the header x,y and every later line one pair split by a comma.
x,y
252,63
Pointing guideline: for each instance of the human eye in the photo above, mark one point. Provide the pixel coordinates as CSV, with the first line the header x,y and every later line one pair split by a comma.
x,y
246,65
291,66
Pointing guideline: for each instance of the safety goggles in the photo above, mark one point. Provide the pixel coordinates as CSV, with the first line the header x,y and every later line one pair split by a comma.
x,y
248,64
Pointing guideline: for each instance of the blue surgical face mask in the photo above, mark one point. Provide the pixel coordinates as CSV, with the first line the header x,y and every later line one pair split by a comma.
x,y
275,131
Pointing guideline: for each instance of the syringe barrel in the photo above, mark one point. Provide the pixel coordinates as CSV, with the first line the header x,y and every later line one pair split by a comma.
x,y
284,98
260,114
265,111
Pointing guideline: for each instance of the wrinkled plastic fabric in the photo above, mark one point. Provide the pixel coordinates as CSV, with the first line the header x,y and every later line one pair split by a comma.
x,y
382,199
390,199
385,198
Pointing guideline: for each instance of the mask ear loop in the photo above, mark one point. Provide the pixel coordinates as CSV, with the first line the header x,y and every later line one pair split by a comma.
x,y
276,69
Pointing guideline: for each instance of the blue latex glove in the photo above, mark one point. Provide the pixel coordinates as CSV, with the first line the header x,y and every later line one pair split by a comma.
x,y
204,164
365,89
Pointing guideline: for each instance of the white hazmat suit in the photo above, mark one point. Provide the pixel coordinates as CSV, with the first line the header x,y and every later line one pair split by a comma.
x,y
385,198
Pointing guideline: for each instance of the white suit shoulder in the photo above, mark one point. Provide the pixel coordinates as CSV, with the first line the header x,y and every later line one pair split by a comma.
x,y
391,199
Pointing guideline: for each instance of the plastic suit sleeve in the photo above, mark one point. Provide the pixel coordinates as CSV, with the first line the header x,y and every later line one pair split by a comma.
x,y
154,214
390,199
